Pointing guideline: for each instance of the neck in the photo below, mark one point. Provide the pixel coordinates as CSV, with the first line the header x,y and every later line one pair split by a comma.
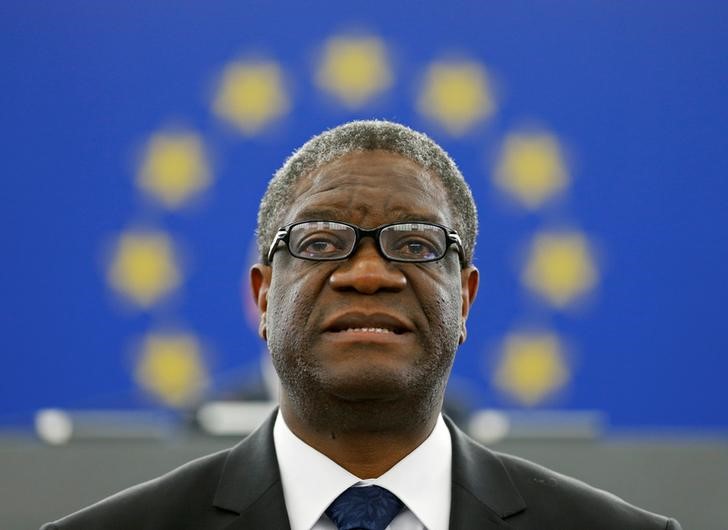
x,y
364,450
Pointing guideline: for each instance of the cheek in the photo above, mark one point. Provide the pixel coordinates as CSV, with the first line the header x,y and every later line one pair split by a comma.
x,y
442,309
290,299
283,306
439,293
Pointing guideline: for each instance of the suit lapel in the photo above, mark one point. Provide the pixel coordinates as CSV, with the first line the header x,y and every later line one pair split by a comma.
x,y
250,485
483,494
269,512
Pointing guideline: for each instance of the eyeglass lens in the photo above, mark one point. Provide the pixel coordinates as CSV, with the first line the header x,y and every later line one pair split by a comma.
x,y
326,240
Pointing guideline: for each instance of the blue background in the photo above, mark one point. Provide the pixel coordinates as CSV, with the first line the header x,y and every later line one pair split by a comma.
x,y
637,91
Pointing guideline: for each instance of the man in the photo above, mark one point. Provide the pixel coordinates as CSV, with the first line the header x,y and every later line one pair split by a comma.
x,y
364,285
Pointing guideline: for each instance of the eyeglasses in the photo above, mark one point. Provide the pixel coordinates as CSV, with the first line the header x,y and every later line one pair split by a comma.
x,y
411,242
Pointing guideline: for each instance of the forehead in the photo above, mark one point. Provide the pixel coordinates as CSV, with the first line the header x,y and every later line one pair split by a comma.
x,y
370,187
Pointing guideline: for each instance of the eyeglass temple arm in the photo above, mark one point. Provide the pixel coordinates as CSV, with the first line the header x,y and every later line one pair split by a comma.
x,y
280,236
459,242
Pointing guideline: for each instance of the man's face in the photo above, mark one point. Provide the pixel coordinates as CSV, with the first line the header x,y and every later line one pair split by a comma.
x,y
364,328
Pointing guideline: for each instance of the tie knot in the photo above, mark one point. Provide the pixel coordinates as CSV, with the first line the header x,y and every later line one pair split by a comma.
x,y
367,508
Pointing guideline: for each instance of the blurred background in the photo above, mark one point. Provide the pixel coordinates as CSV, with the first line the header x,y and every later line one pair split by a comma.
x,y
138,138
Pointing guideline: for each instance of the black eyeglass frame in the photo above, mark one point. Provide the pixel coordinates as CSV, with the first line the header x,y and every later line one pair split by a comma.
x,y
451,238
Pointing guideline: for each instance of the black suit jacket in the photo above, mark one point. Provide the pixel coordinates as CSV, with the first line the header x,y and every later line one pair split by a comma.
x,y
240,489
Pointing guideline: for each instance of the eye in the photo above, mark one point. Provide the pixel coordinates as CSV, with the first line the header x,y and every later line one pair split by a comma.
x,y
319,244
414,248
414,241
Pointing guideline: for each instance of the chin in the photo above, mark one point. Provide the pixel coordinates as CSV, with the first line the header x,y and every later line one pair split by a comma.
x,y
358,393
369,384
355,393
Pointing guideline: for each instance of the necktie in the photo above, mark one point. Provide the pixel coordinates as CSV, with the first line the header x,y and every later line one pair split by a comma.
x,y
365,508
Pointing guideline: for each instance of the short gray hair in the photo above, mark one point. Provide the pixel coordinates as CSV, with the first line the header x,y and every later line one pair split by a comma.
x,y
357,136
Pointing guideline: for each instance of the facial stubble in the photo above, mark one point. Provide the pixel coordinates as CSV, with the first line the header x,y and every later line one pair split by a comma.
x,y
379,400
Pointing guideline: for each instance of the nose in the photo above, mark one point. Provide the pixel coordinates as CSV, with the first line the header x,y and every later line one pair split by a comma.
x,y
367,272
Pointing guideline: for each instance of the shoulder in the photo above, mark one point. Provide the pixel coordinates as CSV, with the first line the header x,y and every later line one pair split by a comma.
x,y
552,496
206,493
184,493
527,495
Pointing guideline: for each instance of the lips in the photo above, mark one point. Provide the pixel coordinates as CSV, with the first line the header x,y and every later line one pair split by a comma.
x,y
380,323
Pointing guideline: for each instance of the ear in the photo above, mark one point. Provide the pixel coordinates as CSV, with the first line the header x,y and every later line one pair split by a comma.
x,y
260,276
469,279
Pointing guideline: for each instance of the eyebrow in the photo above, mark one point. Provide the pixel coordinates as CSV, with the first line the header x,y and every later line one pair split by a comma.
x,y
340,214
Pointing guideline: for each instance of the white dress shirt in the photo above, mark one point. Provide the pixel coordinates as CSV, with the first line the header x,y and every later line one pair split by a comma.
x,y
311,481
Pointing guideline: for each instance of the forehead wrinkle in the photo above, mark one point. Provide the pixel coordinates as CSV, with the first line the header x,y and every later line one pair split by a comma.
x,y
348,190
327,213
341,209
326,177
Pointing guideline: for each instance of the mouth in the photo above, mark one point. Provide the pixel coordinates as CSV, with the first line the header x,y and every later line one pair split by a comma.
x,y
373,324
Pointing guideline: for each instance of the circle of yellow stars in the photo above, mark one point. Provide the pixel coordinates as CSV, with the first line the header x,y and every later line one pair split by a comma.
x,y
456,96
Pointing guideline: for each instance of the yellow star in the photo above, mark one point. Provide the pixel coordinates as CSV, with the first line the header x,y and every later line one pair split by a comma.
x,y
174,168
559,267
456,95
531,367
251,95
171,368
354,69
531,168
143,267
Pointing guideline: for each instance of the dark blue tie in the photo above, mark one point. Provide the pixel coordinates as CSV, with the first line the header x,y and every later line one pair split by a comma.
x,y
366,508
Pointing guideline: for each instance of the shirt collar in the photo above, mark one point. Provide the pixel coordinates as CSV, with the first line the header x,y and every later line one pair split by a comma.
x,y
311,481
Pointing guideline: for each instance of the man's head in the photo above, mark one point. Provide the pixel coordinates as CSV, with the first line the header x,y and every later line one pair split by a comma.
x,y
365,342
